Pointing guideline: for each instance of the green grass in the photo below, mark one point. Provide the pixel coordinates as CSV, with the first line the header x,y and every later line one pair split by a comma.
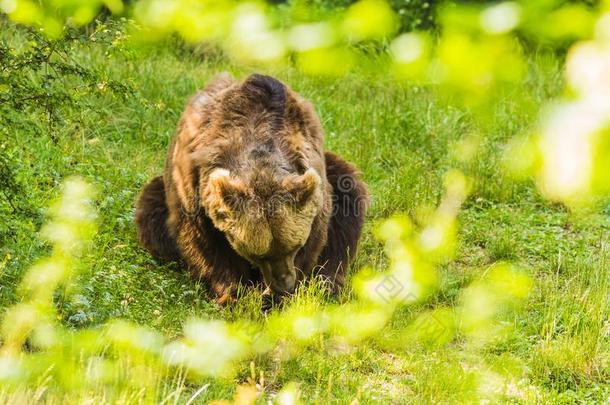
x,y
403,138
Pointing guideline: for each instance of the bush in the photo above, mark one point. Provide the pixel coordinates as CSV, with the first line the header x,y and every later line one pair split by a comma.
x,y
40,79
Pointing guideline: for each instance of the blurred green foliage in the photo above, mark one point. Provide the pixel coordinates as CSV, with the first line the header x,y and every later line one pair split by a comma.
x,y
122,358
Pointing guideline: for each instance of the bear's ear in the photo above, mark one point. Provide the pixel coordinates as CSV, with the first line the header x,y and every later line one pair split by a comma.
x,y
222,187
302,187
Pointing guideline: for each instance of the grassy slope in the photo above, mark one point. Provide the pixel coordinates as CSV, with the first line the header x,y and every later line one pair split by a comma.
x,y
403,140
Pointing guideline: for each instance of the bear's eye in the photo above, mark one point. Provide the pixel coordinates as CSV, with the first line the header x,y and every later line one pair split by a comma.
x,y
221,215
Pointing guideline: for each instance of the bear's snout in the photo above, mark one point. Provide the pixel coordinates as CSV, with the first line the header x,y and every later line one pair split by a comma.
x,y
280,274
285,283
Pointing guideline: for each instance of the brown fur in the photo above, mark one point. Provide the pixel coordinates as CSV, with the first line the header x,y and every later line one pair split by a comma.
x,y
350,202
248,188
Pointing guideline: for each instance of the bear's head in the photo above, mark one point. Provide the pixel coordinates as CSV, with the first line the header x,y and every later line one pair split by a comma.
x,y
263,181
266,216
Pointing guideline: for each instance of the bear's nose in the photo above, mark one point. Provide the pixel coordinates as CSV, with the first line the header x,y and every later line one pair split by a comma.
x,y
280,274
285,283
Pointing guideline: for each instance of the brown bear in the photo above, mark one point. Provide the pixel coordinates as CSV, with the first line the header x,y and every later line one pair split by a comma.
x,y
250,195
